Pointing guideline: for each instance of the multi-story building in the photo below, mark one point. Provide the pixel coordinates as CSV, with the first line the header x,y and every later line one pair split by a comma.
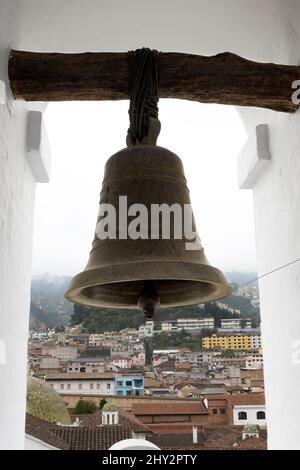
x,y
147,329
256,341
238,341
82,384
235,323
64,353
129,385
195,359
189,324
255,360
138,358
96,340
122,362
86,364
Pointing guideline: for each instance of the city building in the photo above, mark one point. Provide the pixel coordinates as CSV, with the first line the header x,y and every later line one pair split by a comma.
x,y
95,339
147,329
188,324
255,360
256,341
138,358
82,383
196,358
129,385
86,364
231,341
123,362
236,323
64,353
170,414
249,409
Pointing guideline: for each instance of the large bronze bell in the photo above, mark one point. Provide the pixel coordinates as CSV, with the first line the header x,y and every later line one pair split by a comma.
x,y
145,272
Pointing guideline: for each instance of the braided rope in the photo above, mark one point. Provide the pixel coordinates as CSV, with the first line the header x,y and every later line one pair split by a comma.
x,y
143,65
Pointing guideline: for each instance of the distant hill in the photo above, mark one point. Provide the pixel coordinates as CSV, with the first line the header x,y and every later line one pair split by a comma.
x,y
49,307
242,277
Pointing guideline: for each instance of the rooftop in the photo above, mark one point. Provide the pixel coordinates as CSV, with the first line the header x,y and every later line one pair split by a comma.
x,y
170,408
81,376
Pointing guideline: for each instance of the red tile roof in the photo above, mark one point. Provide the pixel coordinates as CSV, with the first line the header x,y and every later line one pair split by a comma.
x,y
91,435
224,438
126,419
169,408
81,376
43,431
247,399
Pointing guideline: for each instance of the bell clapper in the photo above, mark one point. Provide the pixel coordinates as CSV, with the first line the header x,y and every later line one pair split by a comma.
x,y
148,300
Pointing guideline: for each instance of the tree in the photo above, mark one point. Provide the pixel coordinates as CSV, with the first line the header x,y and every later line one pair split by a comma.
x,y
84,407
102,403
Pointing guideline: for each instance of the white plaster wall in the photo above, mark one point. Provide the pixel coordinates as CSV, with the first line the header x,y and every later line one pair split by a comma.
x,y
31,443
85,384
17,189
257,29
251,415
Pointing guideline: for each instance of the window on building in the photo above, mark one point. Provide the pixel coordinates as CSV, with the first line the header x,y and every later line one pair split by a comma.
x,y
91,386
80,386
215,411
119,384
261,415
129,393
69,386
223,411
98,386
242,415
62,386
128,383
108,386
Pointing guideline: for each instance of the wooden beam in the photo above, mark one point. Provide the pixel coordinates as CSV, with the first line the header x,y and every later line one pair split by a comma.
x,y
224,79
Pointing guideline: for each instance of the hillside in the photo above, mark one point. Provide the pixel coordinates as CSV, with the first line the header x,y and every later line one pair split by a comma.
x,y
48,306
50,309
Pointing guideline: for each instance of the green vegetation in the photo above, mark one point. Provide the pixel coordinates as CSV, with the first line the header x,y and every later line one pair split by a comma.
x,y
110,319
102,403
176,340
84,407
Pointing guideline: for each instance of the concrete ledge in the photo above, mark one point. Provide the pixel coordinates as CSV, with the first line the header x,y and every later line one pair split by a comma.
x,y
254,157
38,147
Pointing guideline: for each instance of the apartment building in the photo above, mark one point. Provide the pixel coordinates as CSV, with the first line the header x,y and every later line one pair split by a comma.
x,y
235,323
189,324
129,385
238,341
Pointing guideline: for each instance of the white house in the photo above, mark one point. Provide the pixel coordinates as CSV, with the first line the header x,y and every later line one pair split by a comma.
x,y
82,383
248,408
249,414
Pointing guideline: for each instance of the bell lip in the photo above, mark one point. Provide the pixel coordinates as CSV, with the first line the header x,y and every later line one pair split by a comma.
x,y
135,271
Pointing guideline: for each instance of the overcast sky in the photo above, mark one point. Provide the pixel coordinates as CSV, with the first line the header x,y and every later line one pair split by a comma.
x,y
84,135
